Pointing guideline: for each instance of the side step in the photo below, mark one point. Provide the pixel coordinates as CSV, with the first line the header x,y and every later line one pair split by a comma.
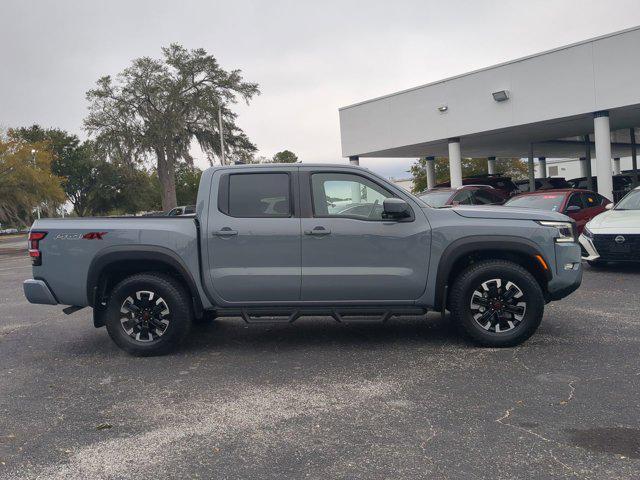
x,y
340,314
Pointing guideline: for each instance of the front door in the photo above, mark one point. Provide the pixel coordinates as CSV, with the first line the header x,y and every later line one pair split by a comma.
x,y
349,251
253,236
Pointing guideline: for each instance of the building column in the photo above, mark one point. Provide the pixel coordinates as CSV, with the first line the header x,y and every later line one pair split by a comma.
x,y
431,172
583,166
491,165
602,134
532,171
354,160
616,166
455,163
542,163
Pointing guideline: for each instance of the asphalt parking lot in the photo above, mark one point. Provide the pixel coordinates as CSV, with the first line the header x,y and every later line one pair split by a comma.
x,y
319,399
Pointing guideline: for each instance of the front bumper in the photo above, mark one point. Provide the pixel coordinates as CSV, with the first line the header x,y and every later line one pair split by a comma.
x,y
568,271
589,252
37,291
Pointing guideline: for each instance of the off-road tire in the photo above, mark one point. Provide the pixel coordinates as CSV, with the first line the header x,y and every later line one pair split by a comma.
x,y
173,296
465,288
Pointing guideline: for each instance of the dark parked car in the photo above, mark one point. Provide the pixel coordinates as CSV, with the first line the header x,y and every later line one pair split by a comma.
x,y
503,185
549,183
465,195
622,184
581,205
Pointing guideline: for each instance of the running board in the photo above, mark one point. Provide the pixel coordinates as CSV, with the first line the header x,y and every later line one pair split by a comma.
x,y
340,315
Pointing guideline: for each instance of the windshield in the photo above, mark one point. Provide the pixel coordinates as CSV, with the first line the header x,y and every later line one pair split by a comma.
x,y
630,202
547,201
436,199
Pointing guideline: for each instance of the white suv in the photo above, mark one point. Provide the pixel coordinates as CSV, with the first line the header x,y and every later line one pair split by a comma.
x,y
614,236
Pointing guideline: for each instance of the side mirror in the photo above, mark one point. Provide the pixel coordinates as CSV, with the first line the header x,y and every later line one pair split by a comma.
x,y
396,208
573,209
609,206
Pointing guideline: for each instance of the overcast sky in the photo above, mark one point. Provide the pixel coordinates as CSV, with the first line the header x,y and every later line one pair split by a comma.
x,y
309,57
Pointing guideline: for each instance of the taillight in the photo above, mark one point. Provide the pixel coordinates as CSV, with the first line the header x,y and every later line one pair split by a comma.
x,y
34,247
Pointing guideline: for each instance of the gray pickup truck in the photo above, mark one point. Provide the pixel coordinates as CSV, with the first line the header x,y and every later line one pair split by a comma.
x,y
276,242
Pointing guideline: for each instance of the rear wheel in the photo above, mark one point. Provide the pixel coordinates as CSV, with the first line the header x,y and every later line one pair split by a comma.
x,y
496,303
148,314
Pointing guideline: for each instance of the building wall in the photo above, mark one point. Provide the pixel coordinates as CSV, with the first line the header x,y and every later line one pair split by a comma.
x,y
574,80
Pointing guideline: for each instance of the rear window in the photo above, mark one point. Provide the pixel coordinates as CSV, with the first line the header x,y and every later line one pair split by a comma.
x,y
547,201
435,199
257,195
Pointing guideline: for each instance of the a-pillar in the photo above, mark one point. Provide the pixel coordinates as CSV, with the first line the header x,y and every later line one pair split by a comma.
x,y
542,164
455,163
602,135
431,171
491,165
616,166
354,160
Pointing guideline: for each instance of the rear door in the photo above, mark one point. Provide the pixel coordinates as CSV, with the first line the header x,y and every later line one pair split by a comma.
x,y
253,236
349,251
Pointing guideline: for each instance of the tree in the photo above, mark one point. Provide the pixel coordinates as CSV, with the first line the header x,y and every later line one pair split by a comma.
x,y
187,183
286,156
73,161
26,180
158,107
510,167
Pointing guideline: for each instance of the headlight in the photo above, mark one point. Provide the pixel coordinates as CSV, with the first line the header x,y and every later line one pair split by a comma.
x,y
587,233
564,229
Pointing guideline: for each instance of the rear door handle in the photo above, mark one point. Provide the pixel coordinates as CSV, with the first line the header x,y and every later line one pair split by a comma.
x,y
225,232
318,231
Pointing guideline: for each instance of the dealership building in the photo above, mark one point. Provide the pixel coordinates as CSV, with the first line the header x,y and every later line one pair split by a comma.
x,y
580,101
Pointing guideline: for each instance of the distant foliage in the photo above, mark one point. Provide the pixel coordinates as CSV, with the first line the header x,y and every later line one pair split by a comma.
x,y
26,180
285,156
515,168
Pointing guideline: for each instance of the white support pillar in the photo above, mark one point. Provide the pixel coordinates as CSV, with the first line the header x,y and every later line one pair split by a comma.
x,y
431,172
616,166
491,165
532,171
583,166
542,164
354,160
455,163
602,135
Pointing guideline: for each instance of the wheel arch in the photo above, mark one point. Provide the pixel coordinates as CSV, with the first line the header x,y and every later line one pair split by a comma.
x,y
462,252
112,264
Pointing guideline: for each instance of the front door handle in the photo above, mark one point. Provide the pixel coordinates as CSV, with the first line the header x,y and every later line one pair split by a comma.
x,y
318,231
225,232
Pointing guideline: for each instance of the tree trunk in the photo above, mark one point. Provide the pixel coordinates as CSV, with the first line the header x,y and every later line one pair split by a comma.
x,y
167,177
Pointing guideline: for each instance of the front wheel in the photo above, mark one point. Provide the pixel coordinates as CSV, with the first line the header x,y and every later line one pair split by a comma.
x,y
148,314
496,303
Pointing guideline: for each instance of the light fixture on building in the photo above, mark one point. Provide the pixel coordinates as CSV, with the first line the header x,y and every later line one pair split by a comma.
x,y
443,108
501,95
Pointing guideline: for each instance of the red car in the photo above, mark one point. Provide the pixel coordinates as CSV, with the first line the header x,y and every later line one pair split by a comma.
x,y
581,205
465,195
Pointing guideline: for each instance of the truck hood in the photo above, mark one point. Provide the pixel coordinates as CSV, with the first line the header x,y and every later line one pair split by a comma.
x,y
509,213
616,221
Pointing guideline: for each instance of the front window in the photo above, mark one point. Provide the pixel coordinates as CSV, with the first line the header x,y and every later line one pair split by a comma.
x,y
347,195
547,201
436,199
630,202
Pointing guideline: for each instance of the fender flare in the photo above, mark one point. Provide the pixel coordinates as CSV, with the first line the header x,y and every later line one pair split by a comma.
x,y
119,253
479,243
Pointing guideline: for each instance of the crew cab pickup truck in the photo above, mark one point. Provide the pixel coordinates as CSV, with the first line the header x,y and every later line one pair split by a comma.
x,y
276,242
